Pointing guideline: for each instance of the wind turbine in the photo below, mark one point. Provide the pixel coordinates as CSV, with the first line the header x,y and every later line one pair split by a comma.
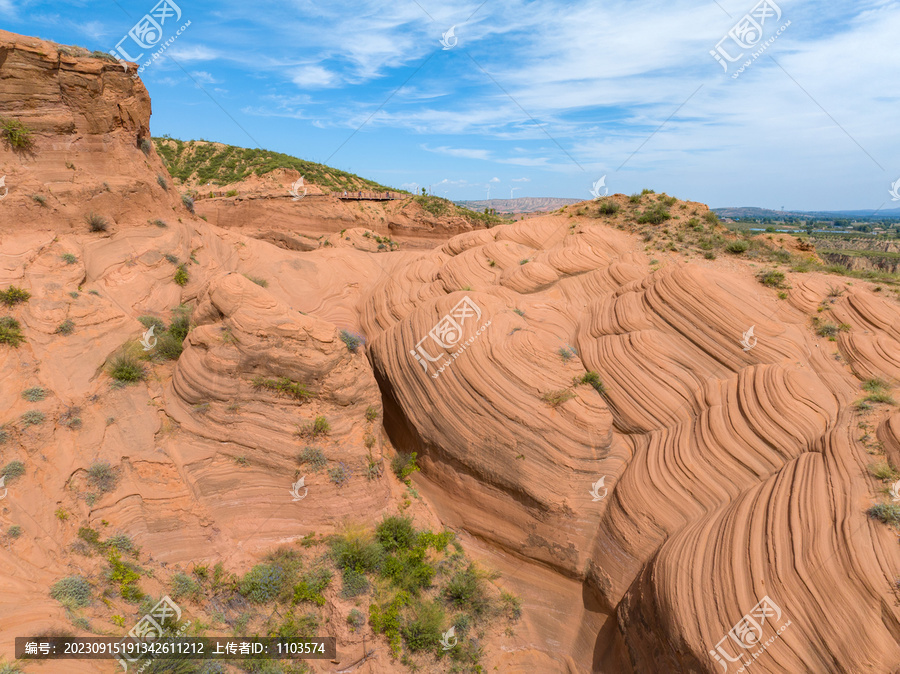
x,y
513,189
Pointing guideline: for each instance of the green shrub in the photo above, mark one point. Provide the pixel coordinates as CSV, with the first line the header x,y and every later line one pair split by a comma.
x,y
181,276
34,394
125,575
72,592
16,134
356,619
353,583
4,436
316,428
773,279
339,474
14,295
422,630
153,322
160,223
656,214
97,223
67,327
313,458
171,259
122,543
711,218
13,470
371,413
738,247
262,583
311,586
889,513
396,533
38,199
884,472
827,330
593,379
557,398
647,190
261,282
102,477
68,258
387,620
284,386
126,368
10,331
185,586
404,465
145,146
33,418
635,198
356,551
188,202
608,207
160,178
511,606
352,340
465,590
566,353
231,193
875,385
14,531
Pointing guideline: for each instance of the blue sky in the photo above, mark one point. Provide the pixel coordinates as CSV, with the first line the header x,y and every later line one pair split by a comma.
x,y
535,98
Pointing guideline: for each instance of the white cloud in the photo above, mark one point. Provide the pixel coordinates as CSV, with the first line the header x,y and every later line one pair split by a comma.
x,y
204,77
521,180
494,180
188,54
465,153
314,76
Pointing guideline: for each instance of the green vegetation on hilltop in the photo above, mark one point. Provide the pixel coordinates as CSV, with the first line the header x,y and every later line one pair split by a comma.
x,y
202,161
438,206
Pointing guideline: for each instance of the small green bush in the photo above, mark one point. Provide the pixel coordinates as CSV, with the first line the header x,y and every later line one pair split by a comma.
x,y
72,592
465,590
102,477
422,630
185,586
13,470
14,531
122,543
711,218
339,474
34,394
557,398
635,198
356,619
162,181
68,258
371,413
97,223
404,465
125,575
261,282
10,331
884,472
181,276
566,353
126,368
315,429
171,259
352,340
284,386
739,247
311,585
38,199
188,202
396,533
262,583
152,322
14,295
313,457
160,223
889,513
827,330
16,134
33,418
608,207
773,279
353,583
593,379
145,146
875,385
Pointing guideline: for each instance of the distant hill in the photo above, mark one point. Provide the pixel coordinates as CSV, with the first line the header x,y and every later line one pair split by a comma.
x,y
520,205
753,212
197,162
